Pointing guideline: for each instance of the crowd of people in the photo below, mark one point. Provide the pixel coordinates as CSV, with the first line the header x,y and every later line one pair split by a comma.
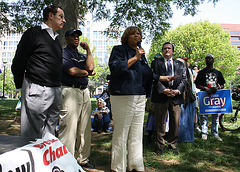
x,y
53,84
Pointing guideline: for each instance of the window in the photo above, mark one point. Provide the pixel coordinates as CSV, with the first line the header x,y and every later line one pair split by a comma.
x,y
235,37
100,54
235,32
94,42
100,43
235,43
4,54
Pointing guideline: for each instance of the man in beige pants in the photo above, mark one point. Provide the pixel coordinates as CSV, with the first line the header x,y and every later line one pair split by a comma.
x,y
75,119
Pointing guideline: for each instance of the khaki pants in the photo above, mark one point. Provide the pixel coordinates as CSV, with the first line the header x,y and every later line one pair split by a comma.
x,y
128,116
75,122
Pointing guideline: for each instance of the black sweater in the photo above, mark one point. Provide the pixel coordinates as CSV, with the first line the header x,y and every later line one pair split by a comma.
x,y
39,58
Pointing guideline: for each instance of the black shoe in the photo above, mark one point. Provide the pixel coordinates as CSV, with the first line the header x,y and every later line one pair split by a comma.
x,y
99,131
174,150
88,165
160,152
107,131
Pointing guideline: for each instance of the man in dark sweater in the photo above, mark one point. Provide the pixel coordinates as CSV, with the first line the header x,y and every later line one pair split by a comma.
x,y
36,69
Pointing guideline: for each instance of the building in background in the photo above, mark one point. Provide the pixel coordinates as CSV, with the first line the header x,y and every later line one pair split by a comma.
x,y
8,45
234,30
94,31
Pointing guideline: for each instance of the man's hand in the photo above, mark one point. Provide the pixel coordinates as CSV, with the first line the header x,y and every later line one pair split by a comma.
x,y
214,90
171,93
84,45
165,78
175,92
168,92
92,73
208,90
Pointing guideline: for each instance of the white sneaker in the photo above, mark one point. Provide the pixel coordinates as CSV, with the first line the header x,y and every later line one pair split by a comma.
x,y
197,129
204,136
218,138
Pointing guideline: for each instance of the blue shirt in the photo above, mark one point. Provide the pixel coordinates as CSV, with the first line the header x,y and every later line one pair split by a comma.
x,y
73,59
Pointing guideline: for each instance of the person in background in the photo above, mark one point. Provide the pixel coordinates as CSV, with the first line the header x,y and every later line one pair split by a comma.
x,y
168,97
36,68
210,80
106,95
101,117
131,80
75,119
186,121
196,90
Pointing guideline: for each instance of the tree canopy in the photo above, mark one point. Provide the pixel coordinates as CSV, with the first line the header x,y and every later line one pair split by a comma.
x,y
195,40
150,15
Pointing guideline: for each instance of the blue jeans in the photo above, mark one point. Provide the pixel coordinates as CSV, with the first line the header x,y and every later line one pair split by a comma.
x,y
214,126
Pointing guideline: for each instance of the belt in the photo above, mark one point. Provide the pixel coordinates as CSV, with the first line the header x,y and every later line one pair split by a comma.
x,y
82,87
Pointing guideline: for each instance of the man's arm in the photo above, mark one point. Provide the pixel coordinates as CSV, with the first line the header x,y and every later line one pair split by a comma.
x,y
183,81
21,57
89,60
76,72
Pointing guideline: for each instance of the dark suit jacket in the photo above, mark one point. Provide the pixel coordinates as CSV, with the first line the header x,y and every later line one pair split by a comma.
x,y
159,68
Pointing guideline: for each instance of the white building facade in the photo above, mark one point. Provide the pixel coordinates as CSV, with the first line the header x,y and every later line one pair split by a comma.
x,y
94,31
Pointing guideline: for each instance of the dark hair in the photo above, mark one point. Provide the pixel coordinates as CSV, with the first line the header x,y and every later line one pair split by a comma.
x,y
168,43
129,31
50,9
195,66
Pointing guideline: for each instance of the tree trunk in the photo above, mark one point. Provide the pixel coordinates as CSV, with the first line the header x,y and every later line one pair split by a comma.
x,y
70,8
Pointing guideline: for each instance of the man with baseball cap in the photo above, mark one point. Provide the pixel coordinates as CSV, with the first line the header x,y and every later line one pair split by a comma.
x,y
210,80
75,117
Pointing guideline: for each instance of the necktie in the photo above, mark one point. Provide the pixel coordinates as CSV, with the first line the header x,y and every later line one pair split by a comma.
x,y
169,68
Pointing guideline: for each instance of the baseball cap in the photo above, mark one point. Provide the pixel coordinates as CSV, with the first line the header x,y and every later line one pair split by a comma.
x,y
71,31
185,58
209,55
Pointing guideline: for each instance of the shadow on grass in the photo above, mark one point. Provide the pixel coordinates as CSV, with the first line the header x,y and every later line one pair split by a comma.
x,y
209,155
199,156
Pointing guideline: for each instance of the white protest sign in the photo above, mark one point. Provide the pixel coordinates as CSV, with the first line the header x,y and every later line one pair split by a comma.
x,y
44,155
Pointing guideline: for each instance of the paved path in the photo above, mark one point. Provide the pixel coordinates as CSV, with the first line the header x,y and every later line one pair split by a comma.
x,y
8,143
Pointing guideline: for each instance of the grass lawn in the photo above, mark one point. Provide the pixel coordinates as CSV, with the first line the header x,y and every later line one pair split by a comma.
x,y
209,155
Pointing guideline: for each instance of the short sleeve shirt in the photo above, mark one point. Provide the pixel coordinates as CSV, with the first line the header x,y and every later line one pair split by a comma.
x,y
73,59
210,78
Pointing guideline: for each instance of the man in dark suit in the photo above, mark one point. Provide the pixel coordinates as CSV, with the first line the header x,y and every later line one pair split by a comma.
x,y
167,97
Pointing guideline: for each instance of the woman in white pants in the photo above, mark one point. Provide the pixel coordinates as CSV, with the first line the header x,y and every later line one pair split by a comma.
x,y
130,83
